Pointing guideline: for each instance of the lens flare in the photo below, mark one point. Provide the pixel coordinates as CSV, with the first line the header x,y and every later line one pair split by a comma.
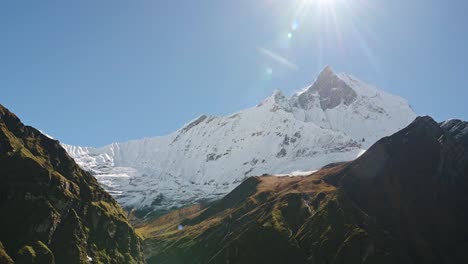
x,y
326,2
294,25
331,28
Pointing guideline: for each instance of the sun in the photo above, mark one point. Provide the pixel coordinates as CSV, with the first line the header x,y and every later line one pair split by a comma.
x,y
320,5
323,8
327,4
321,2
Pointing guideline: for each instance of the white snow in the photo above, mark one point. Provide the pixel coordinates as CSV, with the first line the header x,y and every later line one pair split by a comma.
x,y
43,133
296,173
211,155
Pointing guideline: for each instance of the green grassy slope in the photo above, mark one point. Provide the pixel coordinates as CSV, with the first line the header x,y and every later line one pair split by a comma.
x,y
52,211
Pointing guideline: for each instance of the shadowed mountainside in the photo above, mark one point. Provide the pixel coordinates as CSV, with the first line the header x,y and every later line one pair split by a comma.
x,y
53,211
404,201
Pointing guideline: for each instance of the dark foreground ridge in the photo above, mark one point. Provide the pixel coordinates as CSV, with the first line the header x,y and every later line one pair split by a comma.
x,y
51,210
404,201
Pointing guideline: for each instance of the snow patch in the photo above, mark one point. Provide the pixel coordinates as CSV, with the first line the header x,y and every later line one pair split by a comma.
x,y
297,173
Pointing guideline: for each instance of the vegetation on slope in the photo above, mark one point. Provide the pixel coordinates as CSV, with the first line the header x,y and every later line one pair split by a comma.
x,y
54,212
404,201
284,220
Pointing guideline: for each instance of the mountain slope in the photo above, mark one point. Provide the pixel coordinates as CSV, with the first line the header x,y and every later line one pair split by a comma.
x,y
404,201
333,120
415,183
53,211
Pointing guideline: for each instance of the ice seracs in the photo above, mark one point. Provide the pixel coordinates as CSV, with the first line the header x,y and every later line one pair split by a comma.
x,y
333,120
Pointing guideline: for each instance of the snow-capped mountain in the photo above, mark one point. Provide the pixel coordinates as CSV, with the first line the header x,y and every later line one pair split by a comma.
x,y
333,120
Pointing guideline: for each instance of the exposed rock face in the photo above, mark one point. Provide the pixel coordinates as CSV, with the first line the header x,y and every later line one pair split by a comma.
x,y
333,120
53,211
329,90
404,201
458,129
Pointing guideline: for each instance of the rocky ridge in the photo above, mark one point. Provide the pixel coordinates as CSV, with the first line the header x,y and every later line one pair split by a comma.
x,y
52,210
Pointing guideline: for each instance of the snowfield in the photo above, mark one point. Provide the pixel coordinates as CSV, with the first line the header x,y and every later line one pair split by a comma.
x,y
336,119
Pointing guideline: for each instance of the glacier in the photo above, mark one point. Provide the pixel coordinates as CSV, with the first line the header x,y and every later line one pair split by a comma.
x,y
333,120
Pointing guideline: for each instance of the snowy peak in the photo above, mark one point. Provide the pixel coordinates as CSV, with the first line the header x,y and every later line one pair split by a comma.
x,y
335,119
194,123
276,101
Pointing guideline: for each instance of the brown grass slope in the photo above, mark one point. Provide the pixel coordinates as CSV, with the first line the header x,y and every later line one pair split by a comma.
x,y
403,201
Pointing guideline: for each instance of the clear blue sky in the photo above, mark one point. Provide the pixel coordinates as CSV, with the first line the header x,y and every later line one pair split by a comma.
x,y
94,72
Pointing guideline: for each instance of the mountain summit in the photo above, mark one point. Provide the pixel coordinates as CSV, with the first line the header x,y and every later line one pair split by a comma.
x,y
335,119
330,90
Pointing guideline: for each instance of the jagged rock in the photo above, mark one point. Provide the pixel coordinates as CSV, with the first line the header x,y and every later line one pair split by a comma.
x,y
325,123
329,90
